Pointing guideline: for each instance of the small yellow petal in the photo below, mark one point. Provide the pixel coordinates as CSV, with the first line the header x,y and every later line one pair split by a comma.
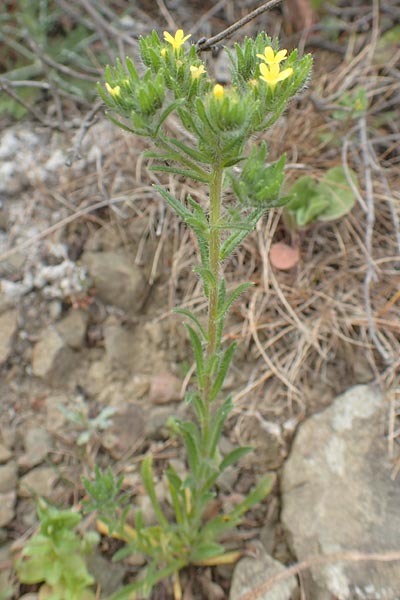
x,y
271,58
178,40
163,52
113,91
196,72
218,91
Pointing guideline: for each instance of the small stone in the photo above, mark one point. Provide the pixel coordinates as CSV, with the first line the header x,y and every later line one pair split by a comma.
x,y
30,596
266,437
52,358
127,432
37,443
5,454
55,420
156,422
165,388
38,482
7,507
116,279
8,326
8,477
120,346
73,328
55,309
108,575
12,178
253,572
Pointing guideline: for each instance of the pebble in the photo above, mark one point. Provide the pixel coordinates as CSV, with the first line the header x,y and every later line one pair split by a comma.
x,y
38,482
37,443
8,326
7,507
8,477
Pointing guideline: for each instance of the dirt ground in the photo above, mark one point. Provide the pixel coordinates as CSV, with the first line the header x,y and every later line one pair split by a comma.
x,y
305,334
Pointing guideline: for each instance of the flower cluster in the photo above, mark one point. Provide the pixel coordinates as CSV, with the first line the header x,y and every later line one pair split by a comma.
x,y
270,69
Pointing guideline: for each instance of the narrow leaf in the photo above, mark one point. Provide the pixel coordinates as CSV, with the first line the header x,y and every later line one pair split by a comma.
x,y
236,238
198,354
223,368
193,318
232,298
234,456
258,493
148,482
175,204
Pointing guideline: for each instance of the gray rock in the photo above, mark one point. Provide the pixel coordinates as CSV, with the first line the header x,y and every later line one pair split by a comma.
x,y
73,328
7,507
127,432
8,326
52,358
108,575
12,179
267,438
338,495
55,419
37,443
5,454
38,482
117,280
250,573
164,388
8,477
120,346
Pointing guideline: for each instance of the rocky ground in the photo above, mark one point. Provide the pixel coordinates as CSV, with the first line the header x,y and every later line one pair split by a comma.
x,y
92,361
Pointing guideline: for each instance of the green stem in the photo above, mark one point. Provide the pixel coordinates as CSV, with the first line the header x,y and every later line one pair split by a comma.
x,y
214,264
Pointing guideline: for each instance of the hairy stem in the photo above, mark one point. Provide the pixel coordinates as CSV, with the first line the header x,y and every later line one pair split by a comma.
x,y
214,259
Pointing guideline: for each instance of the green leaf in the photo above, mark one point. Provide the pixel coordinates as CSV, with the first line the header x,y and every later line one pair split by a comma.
x,y
206,550
206,275
224,364
218,425
335,188
233,296
175,204
193,318
175,490
196,175
192,152
257,494
238,236
148,482
165,114
191,437
198,354
234,456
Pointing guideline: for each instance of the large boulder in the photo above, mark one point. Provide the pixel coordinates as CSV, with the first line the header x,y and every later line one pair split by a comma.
x,y
338,495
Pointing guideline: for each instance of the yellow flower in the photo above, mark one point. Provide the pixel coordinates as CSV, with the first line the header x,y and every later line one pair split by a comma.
x,y
177,41
196,72
272,74
218,91
163,52
113,91
271,58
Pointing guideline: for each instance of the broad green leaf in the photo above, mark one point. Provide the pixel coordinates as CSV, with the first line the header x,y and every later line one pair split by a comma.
x,y
335,188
